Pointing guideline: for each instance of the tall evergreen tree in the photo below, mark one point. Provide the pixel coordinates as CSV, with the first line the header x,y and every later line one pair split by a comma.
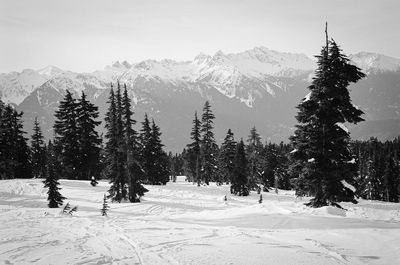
x,y
88,139
131,149
14,151
51,182
193,151
66,136
146,157
159,170
38,152
321,141
113,157
227,156
239,185
208,145
121,143
254,149
391,178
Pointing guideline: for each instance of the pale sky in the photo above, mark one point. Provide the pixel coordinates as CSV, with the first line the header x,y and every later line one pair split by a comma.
x,y
87,35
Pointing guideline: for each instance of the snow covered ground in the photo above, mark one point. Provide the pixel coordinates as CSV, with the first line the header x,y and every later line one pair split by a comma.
x,y
184,224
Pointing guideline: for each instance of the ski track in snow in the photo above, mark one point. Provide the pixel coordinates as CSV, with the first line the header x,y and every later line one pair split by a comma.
x,y
181,223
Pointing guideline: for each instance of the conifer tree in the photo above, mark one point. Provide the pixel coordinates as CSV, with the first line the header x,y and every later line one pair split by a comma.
x,y
66,136
51,182
193,151
208,145
14,151
227,155
159,171
88,138
239,185
38,152
254,149
145,149
391,178
321,141
121,144
131,150
113,158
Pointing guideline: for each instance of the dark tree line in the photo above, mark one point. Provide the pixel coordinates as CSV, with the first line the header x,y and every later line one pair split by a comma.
x,y
15,157
246,167
378,169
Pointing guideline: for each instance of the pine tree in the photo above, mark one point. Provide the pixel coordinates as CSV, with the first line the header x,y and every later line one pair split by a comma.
x,y
193,151
113,157
270,155
145,149
14,151
8,160
208,145
38,152
390,178
88,139
131,150
239,185
253,150
227,155
105,207
321,141
51,182
159,170
121,144
66,132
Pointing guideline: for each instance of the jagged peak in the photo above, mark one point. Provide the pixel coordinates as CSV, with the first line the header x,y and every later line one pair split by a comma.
x,y
375,61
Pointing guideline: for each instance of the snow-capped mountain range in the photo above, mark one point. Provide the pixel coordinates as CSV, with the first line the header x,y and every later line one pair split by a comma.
x,y
258,87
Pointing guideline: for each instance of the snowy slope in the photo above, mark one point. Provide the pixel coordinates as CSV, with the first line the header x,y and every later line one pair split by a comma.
x,y
181,223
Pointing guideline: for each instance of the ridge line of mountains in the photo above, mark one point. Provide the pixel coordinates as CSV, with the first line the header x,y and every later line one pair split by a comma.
x,y
258,87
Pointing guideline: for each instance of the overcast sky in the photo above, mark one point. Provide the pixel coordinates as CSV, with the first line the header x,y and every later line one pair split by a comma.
x,y
86,35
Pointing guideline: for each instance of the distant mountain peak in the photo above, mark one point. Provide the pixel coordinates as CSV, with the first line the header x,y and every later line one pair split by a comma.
x,y
49,71
369,61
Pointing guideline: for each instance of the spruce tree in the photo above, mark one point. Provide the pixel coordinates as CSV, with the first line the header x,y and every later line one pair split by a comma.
x,y
38,152
14,151
51,182
88,139
390,178
121,144
239,185
66,136
131,150
113,158
321,141
208,145
270,155
254,149
193,151
159,170
8,160
227,155
146,157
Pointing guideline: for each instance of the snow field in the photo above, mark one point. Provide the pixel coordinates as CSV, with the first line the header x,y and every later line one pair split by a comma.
x,y
181,223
